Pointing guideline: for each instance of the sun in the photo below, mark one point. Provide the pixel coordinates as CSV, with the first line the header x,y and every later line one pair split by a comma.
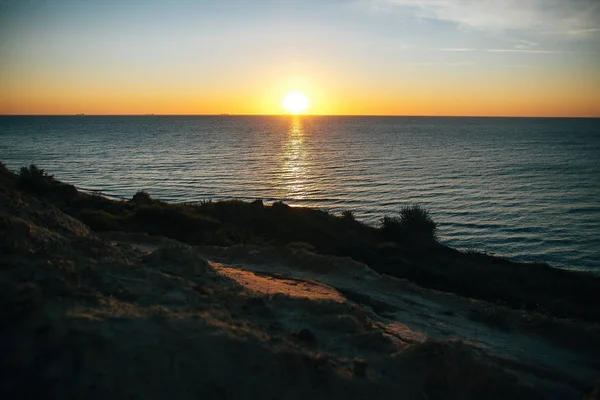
x,y
295,103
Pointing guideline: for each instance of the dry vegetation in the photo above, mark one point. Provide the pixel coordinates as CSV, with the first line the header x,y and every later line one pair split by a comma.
x,y
403,246
85,316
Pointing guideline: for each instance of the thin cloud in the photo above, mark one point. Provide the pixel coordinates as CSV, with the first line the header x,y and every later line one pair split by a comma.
x,y
526,15
517,49
584,31
446,64
572,32
458,49
460,64
522,66
525,44
531,51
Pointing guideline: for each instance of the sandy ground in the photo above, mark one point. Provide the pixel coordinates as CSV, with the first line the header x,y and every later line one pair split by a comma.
x,y
411,314
559,357
129,316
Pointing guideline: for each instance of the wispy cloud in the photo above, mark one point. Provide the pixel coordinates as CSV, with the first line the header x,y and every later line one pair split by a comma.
x,y
517,49
525,44
443,64
583,31
458,49
568,16
531,51
572,32
460,64
522,66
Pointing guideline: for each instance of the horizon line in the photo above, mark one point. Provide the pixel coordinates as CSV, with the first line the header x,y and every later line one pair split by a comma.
x,y
301,115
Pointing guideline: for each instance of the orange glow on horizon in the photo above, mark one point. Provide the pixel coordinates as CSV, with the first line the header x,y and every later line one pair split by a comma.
x,y
480,98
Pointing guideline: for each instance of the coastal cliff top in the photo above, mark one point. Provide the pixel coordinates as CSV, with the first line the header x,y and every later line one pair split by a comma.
x,y
127,314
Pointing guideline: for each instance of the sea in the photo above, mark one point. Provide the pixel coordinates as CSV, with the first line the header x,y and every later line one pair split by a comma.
x,y
523,188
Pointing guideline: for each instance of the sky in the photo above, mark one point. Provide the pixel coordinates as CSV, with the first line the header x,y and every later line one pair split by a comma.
x,y
357,57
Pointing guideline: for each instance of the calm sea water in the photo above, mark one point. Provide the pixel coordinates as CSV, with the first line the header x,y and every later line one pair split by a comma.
x,y
528,189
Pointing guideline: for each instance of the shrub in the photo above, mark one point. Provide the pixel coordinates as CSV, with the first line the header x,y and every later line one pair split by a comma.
x,y
412,223
348,215
35,179
142,198
235,211
392,228
418,220
280,205
33,172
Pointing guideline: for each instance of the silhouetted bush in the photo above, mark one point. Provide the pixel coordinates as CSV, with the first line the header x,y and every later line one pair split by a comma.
x,y
280,205
142,198
33,172
348,215
413,223
389,225
418,221
35,179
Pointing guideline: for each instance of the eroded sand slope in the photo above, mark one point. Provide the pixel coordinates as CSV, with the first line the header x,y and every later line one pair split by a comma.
x,y
132,316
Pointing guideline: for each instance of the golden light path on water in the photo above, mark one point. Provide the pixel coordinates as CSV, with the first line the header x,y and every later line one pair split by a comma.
x,y
295,162
477,176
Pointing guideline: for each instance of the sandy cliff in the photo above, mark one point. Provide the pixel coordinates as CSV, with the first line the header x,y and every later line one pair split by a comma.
x,y
123,315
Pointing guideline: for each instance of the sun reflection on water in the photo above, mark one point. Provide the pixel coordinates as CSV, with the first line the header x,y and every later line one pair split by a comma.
x,y
295,162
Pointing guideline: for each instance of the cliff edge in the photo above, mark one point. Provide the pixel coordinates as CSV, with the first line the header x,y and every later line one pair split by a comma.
x,y
130,315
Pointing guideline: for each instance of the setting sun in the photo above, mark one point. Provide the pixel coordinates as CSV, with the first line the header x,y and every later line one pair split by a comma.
x,y
295,103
